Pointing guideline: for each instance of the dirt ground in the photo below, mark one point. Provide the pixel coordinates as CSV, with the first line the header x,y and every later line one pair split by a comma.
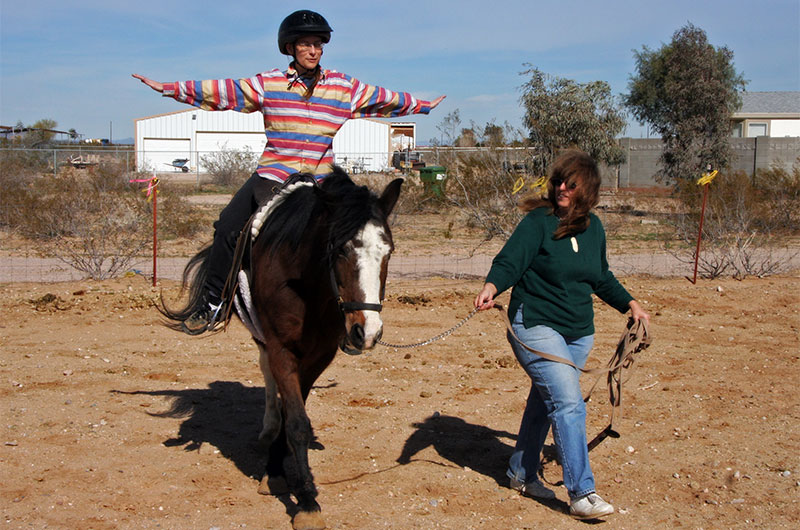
x,y
110,420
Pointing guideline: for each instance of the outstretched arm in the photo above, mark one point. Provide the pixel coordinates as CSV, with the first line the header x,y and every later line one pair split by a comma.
x,y
155,85
436,101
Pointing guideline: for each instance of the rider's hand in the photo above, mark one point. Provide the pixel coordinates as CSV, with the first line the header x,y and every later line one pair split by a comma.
x,y
155,85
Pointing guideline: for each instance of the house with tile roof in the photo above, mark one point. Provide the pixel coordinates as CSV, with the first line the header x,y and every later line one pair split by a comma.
x,y
775,114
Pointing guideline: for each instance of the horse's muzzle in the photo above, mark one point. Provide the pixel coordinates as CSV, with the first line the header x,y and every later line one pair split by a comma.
x,y
355,341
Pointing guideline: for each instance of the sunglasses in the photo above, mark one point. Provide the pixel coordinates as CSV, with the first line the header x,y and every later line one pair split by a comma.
x,y
558,182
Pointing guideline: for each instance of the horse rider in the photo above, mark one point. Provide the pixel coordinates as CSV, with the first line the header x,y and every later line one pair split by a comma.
x,y
304,106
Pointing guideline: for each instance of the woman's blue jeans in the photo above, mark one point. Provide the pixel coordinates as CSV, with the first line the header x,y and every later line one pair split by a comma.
x,y
555,400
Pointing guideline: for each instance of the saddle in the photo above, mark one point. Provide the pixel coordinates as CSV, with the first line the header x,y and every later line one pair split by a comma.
x,y
236,293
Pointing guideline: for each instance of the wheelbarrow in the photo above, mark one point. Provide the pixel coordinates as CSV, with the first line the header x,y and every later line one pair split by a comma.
x,y
180,163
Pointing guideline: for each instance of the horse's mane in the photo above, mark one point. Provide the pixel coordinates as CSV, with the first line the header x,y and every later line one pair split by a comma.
x,y
345,206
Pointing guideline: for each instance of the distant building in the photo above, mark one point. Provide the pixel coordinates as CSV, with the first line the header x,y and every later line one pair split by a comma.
x,y
775,114
360,145
9,133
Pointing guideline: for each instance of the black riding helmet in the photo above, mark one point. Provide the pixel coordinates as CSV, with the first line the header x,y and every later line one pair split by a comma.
x,y
299,24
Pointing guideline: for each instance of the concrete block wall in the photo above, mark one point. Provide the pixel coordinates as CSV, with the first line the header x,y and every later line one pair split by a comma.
x,y
749,155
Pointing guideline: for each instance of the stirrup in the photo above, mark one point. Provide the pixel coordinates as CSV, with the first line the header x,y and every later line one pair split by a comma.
x,y
206,318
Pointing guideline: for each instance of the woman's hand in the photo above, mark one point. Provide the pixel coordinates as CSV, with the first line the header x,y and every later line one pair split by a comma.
x,y
485,298
637,312
155,85
436,101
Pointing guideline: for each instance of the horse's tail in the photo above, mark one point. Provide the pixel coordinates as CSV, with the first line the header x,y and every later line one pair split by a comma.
x,y
194,276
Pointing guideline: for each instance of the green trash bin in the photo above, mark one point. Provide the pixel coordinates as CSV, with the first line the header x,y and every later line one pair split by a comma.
x,y
433,179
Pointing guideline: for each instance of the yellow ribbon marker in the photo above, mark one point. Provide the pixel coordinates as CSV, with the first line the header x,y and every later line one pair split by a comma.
x,y
518,185
707,178
541,183
152,188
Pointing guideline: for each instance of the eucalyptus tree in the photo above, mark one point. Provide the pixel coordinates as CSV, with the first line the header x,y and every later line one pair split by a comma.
x,y
562,113
687,91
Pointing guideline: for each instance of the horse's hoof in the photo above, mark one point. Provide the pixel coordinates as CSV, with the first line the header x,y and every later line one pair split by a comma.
x,y
308,521
276,486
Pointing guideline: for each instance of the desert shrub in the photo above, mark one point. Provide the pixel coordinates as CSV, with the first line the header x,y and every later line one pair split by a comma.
x,y
18,171
744,231
97,221
486,188
411,193
177,218
781,192
230,167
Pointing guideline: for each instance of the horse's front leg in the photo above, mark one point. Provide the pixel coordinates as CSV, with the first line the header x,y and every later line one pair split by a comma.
x,y
299,434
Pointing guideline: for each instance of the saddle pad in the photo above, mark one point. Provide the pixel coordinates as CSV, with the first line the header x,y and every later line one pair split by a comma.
x,y
262,213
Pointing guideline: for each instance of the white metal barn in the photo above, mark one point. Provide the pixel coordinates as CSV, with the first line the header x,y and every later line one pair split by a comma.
x,y
360,145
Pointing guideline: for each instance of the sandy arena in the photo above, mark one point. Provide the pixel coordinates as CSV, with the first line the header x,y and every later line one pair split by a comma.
x,y
710,431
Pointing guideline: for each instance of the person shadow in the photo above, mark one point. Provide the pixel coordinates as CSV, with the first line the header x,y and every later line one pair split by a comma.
x,y
228,415
468,445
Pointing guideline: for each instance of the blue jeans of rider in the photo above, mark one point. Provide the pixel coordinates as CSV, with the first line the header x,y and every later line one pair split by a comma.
x,y
555,400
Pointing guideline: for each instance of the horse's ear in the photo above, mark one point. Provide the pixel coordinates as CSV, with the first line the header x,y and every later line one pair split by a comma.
x,y
389,196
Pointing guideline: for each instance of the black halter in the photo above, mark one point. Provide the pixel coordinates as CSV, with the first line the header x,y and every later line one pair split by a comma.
x,y
349,307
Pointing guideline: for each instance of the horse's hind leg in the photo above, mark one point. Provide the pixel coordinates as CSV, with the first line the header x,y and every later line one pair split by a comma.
x,y
272,409
270,439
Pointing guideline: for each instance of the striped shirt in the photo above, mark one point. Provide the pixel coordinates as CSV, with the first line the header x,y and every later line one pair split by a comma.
x,y
299,131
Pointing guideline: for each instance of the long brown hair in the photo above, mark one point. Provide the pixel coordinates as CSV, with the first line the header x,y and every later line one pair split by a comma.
x,y
576,167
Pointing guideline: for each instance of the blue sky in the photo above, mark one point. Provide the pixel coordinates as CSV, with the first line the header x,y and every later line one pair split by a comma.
x,y
71,60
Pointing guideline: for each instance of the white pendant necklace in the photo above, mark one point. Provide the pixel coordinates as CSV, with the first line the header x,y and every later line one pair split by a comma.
x,y
574,243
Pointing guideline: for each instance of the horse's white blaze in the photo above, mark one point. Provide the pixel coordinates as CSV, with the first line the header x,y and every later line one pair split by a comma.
x,y
369,256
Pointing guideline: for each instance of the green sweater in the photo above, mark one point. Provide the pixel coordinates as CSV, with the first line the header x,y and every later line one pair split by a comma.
x,y
555,279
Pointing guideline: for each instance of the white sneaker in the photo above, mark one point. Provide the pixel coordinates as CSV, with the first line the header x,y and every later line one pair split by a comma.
x,y
591,506
534,489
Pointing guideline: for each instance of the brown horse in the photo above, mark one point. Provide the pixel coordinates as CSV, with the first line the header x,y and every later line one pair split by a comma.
x,y
318,274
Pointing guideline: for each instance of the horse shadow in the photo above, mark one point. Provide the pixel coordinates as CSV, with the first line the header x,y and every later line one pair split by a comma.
x,y
226,415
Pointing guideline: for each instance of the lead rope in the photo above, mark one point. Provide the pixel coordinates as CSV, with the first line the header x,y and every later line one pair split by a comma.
x,y
432,339
635,339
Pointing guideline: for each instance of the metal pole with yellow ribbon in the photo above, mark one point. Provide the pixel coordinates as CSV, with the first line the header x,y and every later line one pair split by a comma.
x,y
152,193
704,181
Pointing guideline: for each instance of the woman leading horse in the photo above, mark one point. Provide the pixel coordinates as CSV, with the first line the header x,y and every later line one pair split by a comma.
x,y
555,260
